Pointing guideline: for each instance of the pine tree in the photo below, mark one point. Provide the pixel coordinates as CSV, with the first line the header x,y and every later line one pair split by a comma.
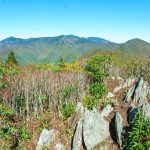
x,y
61,63
11,58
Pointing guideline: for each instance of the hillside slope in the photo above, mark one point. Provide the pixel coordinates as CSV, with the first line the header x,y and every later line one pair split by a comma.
x,y
70,47
136,47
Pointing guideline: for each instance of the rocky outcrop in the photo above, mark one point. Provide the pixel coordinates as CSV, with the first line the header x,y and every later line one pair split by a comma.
x,y
129,94
138,93
45,138
93,127
119,127
146,109
77,140
124,84
132,113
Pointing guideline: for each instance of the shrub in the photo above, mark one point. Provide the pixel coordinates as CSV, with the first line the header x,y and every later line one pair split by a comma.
x,y
138,138
68,90
68,110
90,102
75,66
8,70
45,67
98,67
97,89
3,84
6,112
25,135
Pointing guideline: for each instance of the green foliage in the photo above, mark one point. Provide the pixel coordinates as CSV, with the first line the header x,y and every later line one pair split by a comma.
x,y
68,110
5,132
69,131
20,102
90,102
11,60
25,135
98,67
97,89
46,66
61,63
43,98
8,70
6,112
68,90
138,137
3,84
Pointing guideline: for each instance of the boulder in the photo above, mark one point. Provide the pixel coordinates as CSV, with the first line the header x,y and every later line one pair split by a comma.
x,y
106,111
119,127
95,127
77,140
138,93
110,95
45,138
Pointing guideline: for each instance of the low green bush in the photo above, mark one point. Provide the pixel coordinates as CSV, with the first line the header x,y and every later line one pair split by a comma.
x,y
3,84
68,110
68,90
25,135
138,138
90,102
97,89
98,67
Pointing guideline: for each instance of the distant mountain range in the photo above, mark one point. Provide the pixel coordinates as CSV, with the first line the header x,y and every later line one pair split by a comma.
x,y
70,47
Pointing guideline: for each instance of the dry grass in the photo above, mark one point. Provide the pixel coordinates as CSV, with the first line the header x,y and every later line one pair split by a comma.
x,y
39,90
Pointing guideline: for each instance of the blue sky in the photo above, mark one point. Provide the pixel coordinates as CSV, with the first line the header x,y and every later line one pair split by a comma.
x,y
115,20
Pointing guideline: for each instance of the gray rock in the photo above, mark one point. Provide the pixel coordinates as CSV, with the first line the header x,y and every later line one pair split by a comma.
x,y
110,95
129,94
138,93
80,109
59,146
106,111
124,84
132,113
45,138
119,127
77,140
95,127
146,109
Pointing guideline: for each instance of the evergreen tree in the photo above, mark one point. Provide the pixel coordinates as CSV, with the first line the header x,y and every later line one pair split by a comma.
x,y
11,58
61,63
